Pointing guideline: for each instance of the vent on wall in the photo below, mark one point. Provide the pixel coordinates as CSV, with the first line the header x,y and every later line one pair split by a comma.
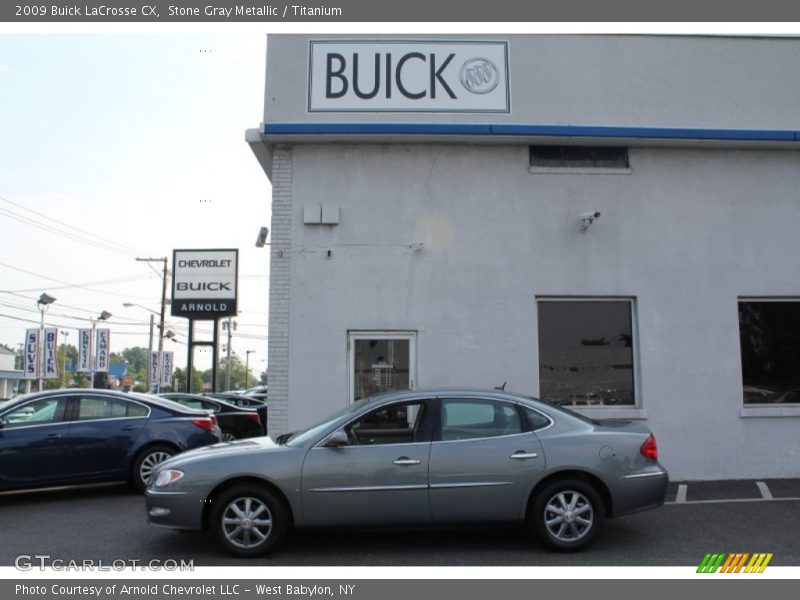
x,y
582,158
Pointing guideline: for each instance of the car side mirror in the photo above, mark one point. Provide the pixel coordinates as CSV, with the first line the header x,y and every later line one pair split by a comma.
x,y
337,439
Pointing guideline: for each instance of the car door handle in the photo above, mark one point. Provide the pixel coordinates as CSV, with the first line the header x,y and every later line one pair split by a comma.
x,y
53,436
405,461
522,455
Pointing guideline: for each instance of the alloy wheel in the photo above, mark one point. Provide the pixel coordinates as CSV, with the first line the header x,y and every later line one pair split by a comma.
x,y
568,516
150,462
246,522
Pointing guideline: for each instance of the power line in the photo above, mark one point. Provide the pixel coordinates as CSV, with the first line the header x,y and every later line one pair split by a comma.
x,y
67,283
113,243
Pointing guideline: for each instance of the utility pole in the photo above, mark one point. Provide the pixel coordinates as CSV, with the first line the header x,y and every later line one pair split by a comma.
x,y
247,369
161,318
229,325
64,368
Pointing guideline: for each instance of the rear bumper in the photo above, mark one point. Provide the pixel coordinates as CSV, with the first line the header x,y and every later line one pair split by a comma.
x,y
640,491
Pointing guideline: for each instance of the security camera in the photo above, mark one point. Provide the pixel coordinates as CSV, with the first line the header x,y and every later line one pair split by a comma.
x,y
261,240
587,219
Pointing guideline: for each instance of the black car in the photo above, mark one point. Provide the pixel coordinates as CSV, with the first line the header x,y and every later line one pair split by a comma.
x,y
244,402
77,436
236,422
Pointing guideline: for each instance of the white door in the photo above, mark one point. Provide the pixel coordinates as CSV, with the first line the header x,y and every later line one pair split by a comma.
x,y
381,361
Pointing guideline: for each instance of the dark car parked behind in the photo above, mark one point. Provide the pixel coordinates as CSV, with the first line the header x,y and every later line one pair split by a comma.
x,y
236,422
244,401
75,436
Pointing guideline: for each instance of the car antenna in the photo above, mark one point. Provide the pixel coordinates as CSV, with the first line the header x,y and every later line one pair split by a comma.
x,y
502,388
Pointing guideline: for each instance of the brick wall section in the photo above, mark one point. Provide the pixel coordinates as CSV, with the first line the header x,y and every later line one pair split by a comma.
x,y
279,291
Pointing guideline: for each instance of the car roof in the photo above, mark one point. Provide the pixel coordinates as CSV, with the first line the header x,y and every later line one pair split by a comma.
x,y
146,398
449,392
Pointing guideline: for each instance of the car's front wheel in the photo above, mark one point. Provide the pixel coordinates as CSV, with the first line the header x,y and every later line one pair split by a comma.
x,y
249,520
146,462
567,514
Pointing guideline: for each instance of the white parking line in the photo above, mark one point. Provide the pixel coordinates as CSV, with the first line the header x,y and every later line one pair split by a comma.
x,y
680,497
729,500
765,493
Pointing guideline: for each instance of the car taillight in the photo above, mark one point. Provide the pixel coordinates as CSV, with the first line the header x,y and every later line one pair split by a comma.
x,y
253,416
206,423
649,449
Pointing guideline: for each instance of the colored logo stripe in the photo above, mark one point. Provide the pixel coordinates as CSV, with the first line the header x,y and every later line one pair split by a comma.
x,y
735,562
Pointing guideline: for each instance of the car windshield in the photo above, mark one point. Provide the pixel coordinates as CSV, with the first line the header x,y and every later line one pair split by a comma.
x,y
298,438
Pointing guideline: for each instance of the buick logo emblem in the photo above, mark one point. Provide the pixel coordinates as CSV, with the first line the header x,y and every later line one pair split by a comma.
x,y
479,75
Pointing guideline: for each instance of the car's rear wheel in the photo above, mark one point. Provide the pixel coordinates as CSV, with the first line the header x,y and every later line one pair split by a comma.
x,y
146,462
228,435
567,514
249,520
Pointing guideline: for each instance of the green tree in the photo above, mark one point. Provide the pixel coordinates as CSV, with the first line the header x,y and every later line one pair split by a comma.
x,y
197,381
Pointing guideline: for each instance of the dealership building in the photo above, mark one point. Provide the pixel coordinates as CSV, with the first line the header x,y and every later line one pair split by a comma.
x,y
609,222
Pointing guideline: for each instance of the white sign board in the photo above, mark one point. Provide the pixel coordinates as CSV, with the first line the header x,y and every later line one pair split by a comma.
x,y
204,283
153,379
166,367
408,76
31,368
84,350
103,350
50,353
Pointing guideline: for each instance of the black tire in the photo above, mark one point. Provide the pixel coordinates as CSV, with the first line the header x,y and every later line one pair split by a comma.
x,y
146,460
572,532
229,434
245,541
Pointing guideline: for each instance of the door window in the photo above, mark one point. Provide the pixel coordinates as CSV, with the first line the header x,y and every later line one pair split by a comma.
x,y
471,419
394,424
98,407
39,412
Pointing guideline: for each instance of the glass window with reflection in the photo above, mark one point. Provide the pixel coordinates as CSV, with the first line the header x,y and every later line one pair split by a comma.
x,y
586,355
769,333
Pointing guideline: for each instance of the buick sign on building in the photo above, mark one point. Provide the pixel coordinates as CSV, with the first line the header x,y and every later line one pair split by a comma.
x,y
605,221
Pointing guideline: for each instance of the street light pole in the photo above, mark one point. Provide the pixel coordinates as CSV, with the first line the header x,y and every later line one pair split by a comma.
x,y
43,302
247,368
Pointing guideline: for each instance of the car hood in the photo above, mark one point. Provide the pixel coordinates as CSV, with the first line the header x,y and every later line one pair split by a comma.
x,y
234,448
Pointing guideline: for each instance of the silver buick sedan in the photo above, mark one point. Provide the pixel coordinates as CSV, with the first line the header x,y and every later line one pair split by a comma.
x,y
415,458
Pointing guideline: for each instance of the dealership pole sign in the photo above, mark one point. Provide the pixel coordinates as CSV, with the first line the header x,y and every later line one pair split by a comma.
x,y
408,76
50,353
84,350
31,367
103,350
204,283
166,368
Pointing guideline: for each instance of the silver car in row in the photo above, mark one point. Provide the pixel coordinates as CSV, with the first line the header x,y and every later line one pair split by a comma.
x,y
419,457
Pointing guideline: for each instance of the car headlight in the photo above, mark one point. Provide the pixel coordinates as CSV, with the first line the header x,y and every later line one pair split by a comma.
x,y
168,477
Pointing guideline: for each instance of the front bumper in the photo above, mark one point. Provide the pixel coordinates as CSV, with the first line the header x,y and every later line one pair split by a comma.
x,y
174,509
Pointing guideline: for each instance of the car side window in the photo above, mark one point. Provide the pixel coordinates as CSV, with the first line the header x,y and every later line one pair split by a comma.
x,y
210,406
99,407
465,419
394,424
39,412
536,419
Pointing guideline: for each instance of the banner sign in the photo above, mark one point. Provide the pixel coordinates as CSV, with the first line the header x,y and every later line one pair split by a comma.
x,y
166,367
408,76
84,350
103,349
50,353
31,368
204,283
153,377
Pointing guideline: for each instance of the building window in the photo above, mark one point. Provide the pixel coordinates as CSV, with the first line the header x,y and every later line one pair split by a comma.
x,y
583,158
586,352
380,362
769,333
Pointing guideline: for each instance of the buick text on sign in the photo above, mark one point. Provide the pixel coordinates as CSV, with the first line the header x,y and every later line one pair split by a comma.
x,y
408,76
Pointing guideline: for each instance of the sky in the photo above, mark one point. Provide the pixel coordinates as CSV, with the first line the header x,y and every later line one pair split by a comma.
x,y
118,146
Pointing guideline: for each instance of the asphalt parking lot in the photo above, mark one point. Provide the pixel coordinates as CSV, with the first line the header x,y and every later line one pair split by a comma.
x,y
108,523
